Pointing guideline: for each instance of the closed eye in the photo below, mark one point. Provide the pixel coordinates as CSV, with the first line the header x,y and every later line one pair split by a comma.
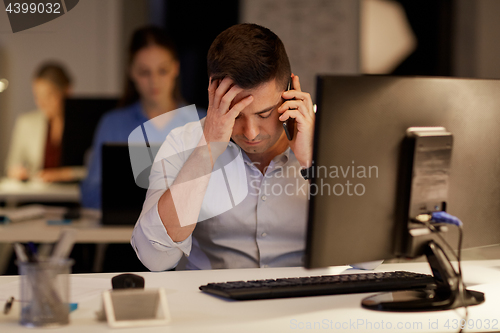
x,y
266,114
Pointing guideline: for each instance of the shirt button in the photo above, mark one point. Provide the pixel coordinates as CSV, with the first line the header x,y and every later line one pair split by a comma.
x,y
264,198
263,234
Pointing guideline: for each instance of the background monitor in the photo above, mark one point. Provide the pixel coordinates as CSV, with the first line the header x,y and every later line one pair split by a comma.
x,y
121,198
80,121
360,123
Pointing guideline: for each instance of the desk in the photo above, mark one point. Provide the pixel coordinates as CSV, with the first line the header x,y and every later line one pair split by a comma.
x,y
15,192
194,311
88,231
38,231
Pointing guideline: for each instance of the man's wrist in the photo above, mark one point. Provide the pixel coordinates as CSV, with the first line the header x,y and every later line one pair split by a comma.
x,y
305,164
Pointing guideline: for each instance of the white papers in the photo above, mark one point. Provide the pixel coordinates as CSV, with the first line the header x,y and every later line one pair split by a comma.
x,y
23,213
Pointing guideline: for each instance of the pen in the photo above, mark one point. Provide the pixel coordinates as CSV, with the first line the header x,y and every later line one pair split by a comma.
x,y
31,252
64,245
20,252
8,305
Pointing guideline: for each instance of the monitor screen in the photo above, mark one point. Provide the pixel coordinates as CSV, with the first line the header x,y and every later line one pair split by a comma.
x,y
360,124
81,116
121,197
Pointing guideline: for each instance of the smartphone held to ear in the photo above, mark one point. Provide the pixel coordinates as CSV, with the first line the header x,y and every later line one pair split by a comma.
x,y
289,124
289,127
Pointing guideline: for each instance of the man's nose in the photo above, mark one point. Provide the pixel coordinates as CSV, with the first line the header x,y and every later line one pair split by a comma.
x,y
251,130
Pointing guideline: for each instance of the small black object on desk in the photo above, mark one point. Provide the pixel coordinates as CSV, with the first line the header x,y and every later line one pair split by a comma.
x,y
8,305
127,281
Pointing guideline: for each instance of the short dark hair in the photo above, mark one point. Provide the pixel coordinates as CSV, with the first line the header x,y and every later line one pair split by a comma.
x,y
250,55
55,73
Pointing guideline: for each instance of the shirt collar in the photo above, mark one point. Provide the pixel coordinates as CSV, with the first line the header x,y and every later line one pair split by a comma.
x,y
278,160
286,155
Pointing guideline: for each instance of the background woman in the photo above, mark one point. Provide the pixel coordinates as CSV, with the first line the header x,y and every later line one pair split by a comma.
x,y
151,90
35,150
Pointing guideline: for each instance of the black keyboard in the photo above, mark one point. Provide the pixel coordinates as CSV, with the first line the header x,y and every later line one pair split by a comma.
x,y
320,285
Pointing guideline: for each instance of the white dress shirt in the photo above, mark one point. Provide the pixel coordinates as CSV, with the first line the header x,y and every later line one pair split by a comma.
x,y
247,219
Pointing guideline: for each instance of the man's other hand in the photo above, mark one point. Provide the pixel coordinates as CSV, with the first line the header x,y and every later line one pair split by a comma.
x,y
298,105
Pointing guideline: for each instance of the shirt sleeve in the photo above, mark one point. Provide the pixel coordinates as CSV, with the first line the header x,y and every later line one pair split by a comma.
x,y
153,246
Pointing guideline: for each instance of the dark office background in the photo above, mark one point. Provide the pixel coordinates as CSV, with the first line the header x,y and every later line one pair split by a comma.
x,y
432,23
194,25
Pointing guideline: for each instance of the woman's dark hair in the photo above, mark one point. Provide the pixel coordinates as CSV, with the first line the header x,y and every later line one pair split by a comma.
x,y
55,73
250,55
142,38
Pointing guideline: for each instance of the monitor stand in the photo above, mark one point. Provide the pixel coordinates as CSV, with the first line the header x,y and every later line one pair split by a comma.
x,y
446,295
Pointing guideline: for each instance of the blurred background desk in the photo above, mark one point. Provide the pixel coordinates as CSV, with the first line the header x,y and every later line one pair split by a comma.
x,y
100,248
14,192
39,231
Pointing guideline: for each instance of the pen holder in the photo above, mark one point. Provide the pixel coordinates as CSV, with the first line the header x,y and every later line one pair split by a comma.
x,y
45,293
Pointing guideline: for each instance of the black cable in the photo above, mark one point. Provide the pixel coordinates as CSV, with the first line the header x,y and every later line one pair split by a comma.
x,y
461,285
458,257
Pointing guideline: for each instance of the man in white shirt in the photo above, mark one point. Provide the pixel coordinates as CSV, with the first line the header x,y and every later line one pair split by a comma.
x,y
227,192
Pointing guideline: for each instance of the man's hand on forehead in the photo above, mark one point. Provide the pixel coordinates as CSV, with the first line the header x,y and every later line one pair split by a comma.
x,y
222,94
222,111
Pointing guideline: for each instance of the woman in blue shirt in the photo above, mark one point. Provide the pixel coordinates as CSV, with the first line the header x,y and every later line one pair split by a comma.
x,y
151,90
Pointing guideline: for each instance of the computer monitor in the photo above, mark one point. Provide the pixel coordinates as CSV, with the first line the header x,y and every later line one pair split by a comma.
x,y
121,197
81,116
361,124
